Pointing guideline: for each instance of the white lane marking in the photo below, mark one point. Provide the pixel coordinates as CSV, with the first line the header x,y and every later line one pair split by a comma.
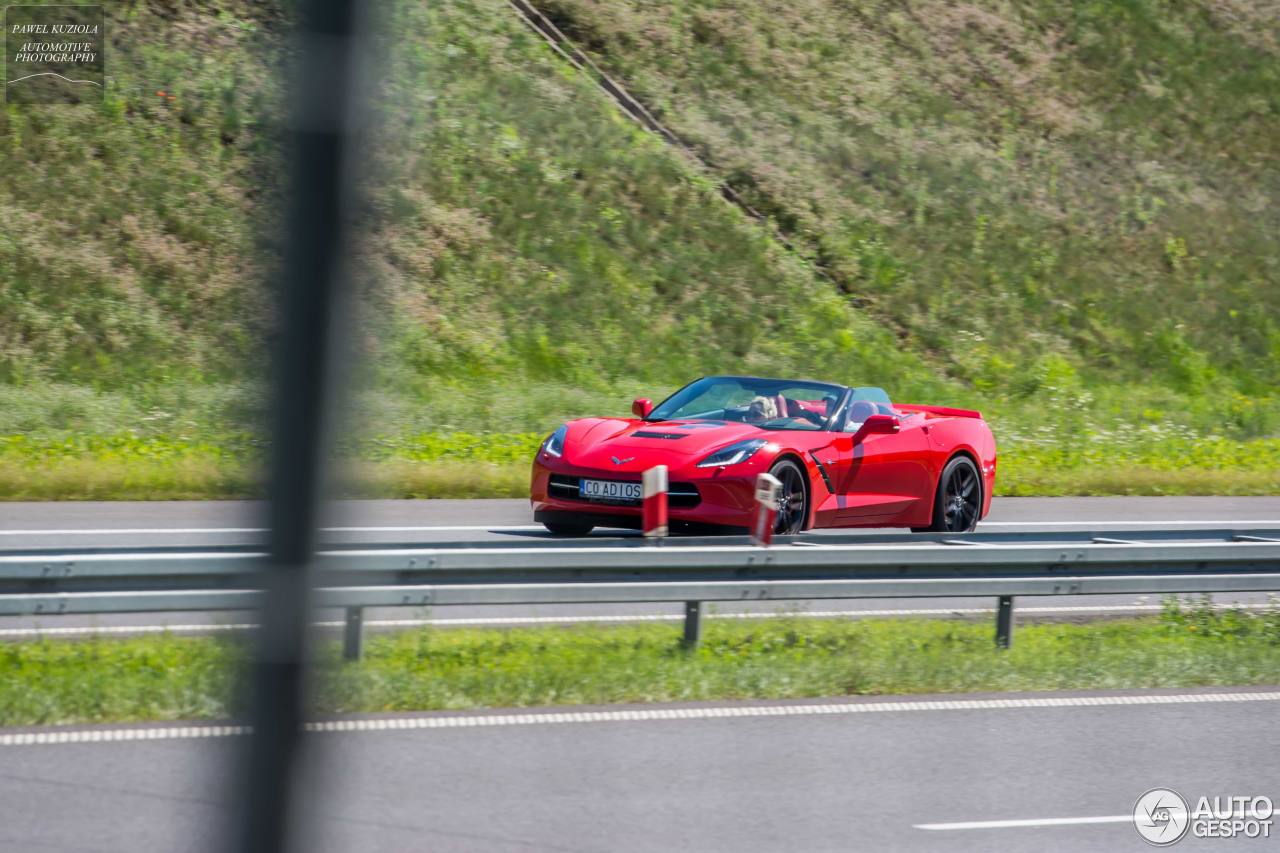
x,y
539,718
1043,821
149,531
1229,522
480,621
443,527
497,528
129,531
1013,824
129,629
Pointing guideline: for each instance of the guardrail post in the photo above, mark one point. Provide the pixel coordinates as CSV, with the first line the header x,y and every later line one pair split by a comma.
x,y
1004,622
353,634
692,624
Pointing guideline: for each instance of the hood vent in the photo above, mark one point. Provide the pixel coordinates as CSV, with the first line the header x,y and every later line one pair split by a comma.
x,y
649,434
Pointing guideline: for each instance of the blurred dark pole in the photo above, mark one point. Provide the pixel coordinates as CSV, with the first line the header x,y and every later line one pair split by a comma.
x,y
312,309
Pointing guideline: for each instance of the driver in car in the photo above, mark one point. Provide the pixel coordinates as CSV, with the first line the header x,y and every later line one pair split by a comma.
x,y
761,409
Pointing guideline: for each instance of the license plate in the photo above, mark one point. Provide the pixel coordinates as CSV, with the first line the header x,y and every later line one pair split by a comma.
x,y
608,490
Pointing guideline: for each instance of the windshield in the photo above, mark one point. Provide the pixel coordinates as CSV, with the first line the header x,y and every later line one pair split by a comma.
x,y
766,403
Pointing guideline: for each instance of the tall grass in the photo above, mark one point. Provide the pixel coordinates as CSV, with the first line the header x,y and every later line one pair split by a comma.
x,y
1012,183
1061,214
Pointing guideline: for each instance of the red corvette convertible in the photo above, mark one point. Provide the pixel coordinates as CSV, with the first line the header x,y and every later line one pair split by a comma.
x,y
846,457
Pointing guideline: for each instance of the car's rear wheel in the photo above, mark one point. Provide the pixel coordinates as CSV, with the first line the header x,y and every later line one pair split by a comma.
x,y
958,501
568,528
793,498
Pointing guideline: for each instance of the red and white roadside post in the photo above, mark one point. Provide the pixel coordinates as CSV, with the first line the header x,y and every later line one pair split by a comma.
x,y
766,514
653,492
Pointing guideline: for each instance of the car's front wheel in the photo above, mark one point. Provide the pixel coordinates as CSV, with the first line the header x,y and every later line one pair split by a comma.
x,y
793,499
958,501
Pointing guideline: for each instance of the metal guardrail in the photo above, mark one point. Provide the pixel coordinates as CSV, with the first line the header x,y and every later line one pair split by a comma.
x,y
1002,565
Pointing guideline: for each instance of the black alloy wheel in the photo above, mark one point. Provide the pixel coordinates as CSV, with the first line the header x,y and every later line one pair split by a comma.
x,y
959,499
793,499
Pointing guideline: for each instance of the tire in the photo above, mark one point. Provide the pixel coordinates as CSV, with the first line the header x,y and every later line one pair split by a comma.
x,y
793,498
567,528
957,504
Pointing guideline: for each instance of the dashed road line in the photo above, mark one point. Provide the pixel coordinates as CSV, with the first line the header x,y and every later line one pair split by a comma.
x,y
545,718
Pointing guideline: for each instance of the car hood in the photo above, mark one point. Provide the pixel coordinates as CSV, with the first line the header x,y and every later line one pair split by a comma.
x,y
631,445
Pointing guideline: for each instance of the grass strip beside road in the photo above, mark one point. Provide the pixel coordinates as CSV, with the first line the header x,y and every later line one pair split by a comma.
x,y
471,465
196,479
192,678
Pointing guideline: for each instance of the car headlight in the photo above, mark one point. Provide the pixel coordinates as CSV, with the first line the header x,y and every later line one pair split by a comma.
x,y
554,445
733,454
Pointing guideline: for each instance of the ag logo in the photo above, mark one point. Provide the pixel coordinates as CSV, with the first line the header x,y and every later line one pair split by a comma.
x,y
1161,817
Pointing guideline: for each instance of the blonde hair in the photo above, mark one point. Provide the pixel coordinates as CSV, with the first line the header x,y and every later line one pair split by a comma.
x,y
768,406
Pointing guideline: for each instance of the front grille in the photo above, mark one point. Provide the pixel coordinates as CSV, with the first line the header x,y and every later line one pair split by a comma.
x,y
565,487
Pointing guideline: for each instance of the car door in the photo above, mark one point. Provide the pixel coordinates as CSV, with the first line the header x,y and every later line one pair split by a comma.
x,y
880,476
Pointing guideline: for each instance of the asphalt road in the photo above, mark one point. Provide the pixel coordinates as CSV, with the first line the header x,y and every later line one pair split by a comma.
x,y
57,524
917,776
86,524
947,773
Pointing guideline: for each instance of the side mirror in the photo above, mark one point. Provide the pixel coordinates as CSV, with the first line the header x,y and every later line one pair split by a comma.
x,y
641,407
876,425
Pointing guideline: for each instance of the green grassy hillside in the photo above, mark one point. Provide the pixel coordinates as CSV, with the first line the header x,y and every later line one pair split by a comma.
x,y
1063,214
1008,183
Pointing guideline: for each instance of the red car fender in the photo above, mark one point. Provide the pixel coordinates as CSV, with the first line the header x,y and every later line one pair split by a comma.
x,y
968,435
818,491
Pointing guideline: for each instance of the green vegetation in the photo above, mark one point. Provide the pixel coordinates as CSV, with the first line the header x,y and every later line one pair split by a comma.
x,y
125,466
169,677
1009,182
1060,213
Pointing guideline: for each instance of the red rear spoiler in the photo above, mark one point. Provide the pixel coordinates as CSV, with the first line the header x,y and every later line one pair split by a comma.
x,y
945,411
